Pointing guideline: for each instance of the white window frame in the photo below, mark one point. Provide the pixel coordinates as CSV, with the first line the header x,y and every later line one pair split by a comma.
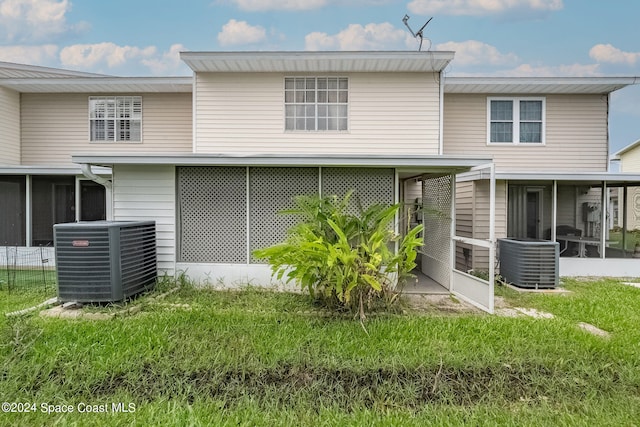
x,y
316,103
114,119
516,120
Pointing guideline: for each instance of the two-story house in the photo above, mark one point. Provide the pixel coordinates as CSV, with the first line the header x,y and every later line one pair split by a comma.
x,y
214,158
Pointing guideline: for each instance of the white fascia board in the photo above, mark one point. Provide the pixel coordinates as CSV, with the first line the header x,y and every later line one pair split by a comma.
x,y
458,162
49,170
99,84
308,61
586,177
538,85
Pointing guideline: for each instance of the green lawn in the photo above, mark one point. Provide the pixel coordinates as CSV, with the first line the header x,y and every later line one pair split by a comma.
x,y
260,358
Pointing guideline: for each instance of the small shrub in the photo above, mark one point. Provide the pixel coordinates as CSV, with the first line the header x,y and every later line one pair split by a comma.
x,y
344,260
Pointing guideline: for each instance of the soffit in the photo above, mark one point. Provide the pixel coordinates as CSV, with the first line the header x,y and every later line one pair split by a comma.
x,y
316,62
541,85
100,84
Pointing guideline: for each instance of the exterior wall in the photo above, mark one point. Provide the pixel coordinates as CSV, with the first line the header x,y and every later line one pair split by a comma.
x,y
388,113
149,193
9,127
56,125
576,134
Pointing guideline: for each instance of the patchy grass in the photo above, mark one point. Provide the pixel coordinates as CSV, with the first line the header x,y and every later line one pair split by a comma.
x,y
260,358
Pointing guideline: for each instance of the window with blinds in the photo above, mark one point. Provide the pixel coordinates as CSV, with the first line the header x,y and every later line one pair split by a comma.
x,y
115,118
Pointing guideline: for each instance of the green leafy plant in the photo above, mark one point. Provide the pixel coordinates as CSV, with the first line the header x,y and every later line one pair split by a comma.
x,y
342,259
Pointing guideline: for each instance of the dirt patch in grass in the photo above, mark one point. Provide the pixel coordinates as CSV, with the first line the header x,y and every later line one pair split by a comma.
x,y
289,386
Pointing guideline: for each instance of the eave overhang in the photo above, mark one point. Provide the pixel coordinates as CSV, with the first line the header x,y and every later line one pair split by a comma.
x,y
48,170
537,85
100,85
451,163
316,62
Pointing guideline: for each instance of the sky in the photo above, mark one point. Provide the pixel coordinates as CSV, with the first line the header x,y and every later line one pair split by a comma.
x,y
526,38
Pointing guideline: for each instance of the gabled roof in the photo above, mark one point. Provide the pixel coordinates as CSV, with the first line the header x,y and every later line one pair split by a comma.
x,y
616,156
537,85
317,62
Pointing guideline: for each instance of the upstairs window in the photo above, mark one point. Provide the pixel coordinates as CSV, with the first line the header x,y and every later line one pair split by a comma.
x,y
115,118
516,120
316,103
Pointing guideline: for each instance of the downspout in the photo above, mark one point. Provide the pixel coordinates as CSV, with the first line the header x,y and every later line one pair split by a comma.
x,y
87,172
441,118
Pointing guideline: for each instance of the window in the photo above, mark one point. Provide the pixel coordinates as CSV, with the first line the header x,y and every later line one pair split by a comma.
x,y
316,103
116,118
516,120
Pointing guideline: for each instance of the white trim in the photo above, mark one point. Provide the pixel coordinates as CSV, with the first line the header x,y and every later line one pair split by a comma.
x,y
449,163
194,115
538,85
441,112
492,235
515,120
247,226
27,214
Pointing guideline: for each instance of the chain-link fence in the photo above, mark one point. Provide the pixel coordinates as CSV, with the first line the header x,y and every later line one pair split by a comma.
x,y
27,268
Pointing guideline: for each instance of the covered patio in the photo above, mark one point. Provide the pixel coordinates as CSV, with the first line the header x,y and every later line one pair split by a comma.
x,y
595,217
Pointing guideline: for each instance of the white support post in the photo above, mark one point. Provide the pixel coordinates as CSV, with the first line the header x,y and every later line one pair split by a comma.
x,y
248,217
452,249
28,207
396,197
554,213
492,236
604,226
77,200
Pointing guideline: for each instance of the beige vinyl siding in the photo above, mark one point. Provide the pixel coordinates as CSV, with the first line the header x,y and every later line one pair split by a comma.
x,y
388,114
464,221
576,134
630,161
148,193
482,215
55,126
9,127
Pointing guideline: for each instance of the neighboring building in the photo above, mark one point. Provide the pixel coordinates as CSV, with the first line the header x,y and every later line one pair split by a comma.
x,y
627,199
213,158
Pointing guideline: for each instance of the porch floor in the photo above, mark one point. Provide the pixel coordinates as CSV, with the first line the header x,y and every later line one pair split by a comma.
x,y
423,284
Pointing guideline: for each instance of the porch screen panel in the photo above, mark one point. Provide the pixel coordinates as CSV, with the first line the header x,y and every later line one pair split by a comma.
x,y
272,190
53,202
370,185
436,204
212,214
12,210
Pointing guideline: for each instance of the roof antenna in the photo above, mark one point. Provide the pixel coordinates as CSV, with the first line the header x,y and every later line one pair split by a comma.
x,y
417,33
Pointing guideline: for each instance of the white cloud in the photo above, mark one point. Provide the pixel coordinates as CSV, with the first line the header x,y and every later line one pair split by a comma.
x,y
88,56
263,5
35,20
44,54
356,37
240,32
473,52
481,7
167,63
613,55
